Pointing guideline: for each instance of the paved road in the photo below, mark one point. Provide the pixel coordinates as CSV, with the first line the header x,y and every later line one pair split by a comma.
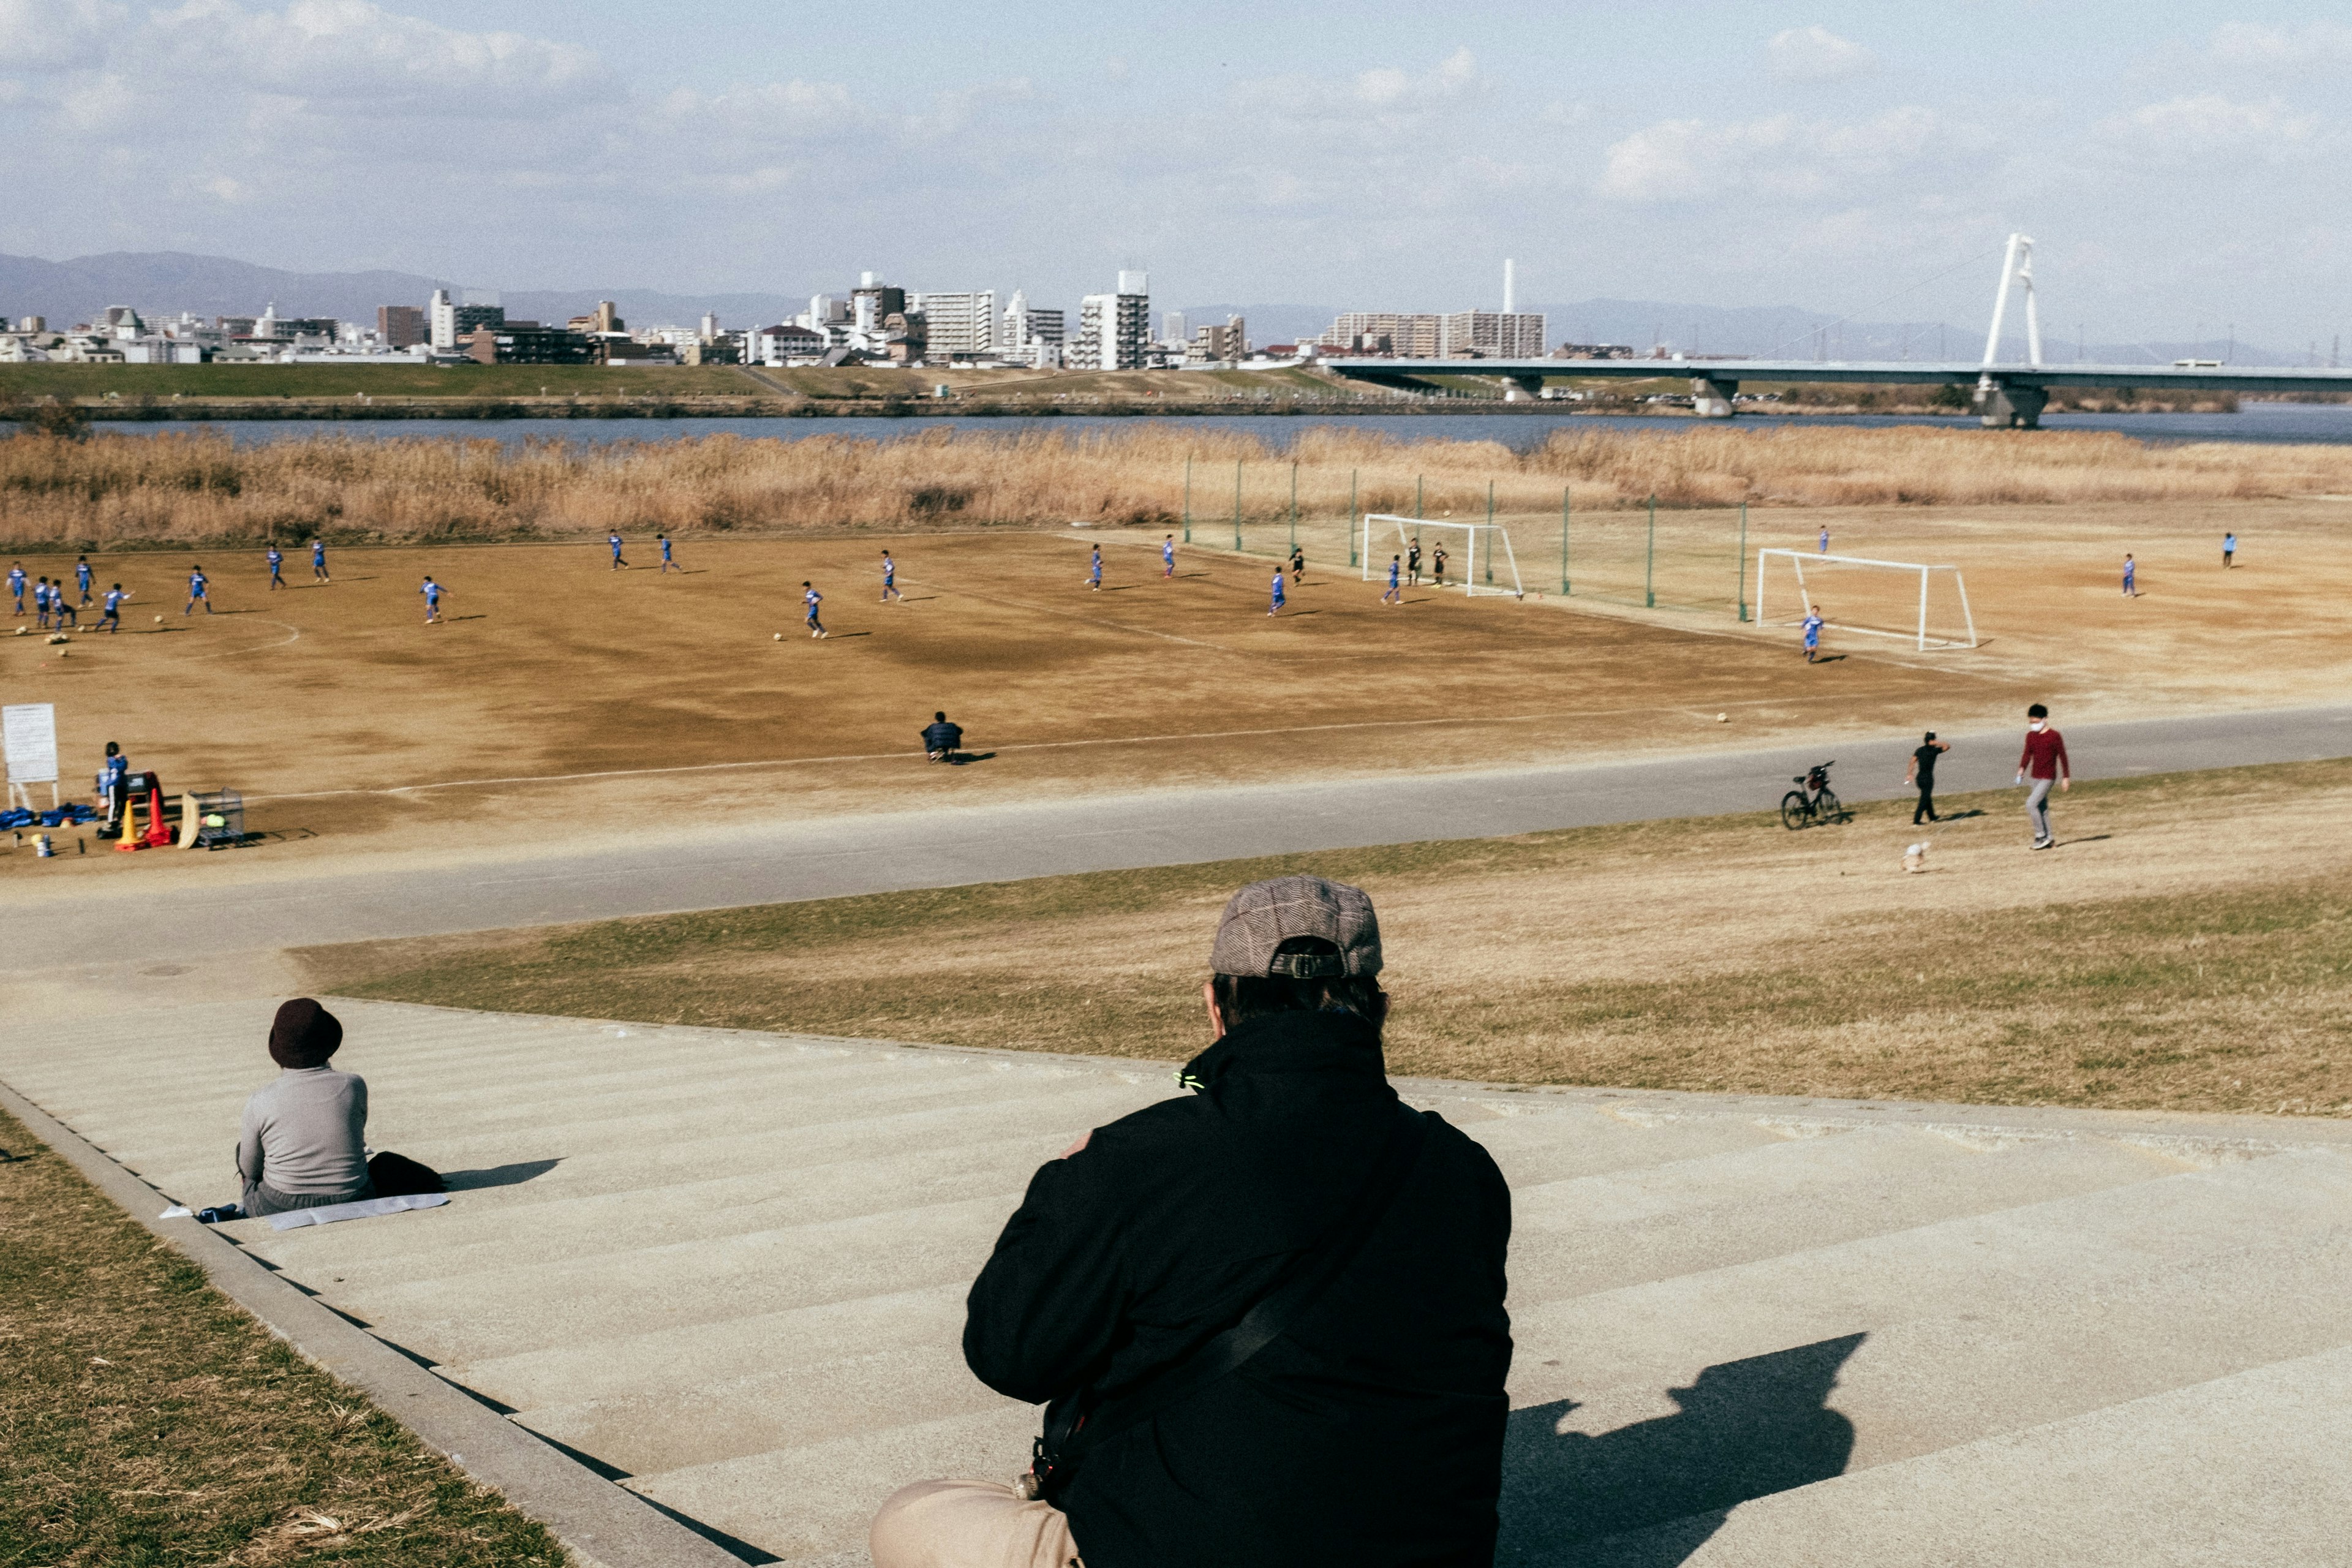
x,y
835,857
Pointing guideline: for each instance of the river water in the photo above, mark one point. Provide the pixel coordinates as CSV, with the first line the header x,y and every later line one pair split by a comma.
x,y
2329,424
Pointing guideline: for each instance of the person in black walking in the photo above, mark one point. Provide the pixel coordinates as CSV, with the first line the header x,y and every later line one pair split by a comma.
x,y
1921,776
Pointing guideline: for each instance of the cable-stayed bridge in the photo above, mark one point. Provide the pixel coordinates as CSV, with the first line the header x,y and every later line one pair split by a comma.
x,y
2008,394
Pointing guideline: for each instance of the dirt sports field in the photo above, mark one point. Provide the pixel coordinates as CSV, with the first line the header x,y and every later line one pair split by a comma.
x,y
563,697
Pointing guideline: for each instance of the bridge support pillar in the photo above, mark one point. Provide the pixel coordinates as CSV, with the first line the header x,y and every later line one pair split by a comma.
x,y
2004,406
1711,398
1524,389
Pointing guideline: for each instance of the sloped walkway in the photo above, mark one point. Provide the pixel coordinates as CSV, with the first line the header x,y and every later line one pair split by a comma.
x,y
729,1267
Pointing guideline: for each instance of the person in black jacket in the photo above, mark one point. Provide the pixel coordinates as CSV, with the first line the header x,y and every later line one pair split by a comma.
x,y
941,739
1369,1432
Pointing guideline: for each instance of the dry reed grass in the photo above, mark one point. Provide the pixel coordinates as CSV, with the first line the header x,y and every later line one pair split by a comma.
x,y
187,489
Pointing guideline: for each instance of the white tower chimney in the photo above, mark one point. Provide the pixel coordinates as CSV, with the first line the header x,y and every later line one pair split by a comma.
x,y
1510,290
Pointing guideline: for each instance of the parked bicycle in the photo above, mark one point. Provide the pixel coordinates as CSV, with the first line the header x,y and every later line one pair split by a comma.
x,y
1812,800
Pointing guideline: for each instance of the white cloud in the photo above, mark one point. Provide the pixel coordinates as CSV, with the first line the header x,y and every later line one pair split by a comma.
x,y
2206,127
1816,54
56,35
1781,157
351,54
2252,43
1383,95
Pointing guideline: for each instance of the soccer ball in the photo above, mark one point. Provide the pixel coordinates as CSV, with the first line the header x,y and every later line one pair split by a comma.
x,y
22,630
780,636
159,620
1723,718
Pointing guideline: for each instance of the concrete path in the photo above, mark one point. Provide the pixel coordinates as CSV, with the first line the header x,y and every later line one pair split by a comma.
x,y
728,1269
62,922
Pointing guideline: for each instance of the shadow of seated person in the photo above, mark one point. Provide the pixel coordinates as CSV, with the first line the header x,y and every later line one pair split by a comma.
x,y
303,1143
512,1175
1746,1429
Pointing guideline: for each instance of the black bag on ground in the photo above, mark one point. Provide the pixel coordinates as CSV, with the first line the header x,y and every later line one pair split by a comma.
x,y
398,1176
1076,1422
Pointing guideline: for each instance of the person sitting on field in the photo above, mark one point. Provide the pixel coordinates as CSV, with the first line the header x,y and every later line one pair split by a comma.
x,y
941,739
1268,1315
303,1140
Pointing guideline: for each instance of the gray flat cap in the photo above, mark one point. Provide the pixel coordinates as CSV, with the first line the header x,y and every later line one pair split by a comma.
x,y
1263,915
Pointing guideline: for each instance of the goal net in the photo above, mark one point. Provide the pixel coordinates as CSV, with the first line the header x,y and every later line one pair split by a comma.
x,y
1926,607
1479,558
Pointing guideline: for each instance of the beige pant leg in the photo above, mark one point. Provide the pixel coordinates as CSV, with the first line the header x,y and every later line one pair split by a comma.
x,y
970,1524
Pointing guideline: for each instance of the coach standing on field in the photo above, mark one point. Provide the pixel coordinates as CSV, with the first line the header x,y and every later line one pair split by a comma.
x,y
1277,1302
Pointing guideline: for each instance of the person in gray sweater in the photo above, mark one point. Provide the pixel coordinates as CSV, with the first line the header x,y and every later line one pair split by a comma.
x,y
303,1142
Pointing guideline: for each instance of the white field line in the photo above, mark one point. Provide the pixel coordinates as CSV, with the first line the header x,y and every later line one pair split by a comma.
x,y
1033,746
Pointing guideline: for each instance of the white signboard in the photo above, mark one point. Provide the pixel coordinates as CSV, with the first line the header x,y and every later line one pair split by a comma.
x,y
29,732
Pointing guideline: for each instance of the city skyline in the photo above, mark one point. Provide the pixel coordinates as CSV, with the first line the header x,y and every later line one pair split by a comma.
x,y
2175,163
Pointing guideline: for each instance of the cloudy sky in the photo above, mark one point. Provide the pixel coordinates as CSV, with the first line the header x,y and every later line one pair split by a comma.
x,y
2177,164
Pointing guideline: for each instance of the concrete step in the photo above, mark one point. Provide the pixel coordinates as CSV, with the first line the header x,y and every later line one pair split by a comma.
x,y
741,1279
2241,1469
1597,1233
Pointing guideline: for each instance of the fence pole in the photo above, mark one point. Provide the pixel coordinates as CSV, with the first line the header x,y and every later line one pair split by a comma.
x,y
1293,506
1490,537
1351,517
1237,506
1416,497
1650,567
1188,500
1563,541
1743,561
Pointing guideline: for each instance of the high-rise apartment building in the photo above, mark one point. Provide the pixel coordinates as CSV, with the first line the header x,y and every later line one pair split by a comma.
x,y
401,326
452,323
1221,345
1114,330
958,326
1174,328
1405,335
1492,334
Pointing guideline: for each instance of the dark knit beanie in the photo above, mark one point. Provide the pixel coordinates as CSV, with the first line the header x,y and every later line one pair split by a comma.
x,y
303,1035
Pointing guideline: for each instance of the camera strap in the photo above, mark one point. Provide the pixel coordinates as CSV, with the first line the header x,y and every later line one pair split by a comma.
x,y
1300,1285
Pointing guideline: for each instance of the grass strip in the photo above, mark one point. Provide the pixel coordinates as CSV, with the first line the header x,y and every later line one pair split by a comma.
x,y
2231,995
145,1420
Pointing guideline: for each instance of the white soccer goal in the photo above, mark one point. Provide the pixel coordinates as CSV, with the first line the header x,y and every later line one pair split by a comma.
x,y
1883,608
1478,554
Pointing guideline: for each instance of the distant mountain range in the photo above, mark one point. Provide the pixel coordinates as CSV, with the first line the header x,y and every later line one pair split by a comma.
x,y
164,283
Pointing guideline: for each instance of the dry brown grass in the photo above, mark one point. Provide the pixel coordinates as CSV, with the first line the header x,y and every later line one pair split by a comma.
x,y
146,1421
200,488
2164,957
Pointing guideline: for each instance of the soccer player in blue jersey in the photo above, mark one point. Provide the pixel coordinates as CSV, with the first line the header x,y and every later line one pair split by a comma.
x,y
890,580
112,620
319,562
61,610
197,582
2229,550
1275,608
1825,540
2131,577
1094,577
17,585
668,565
614,540
1168,556
1395,596
276,560
81,576
812,598
41,603
1813,633
432,592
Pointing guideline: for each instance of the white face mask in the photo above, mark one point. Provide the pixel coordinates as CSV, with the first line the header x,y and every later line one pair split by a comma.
x,y
2036,725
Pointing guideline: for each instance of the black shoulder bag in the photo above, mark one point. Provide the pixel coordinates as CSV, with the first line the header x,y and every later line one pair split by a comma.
x,y
1073,1424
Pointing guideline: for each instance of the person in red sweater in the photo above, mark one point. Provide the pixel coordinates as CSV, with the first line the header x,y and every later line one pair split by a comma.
x,y
2044,762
